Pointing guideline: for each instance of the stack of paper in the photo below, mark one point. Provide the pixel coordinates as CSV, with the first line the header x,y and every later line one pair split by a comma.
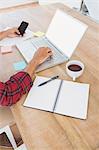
x,y
6,49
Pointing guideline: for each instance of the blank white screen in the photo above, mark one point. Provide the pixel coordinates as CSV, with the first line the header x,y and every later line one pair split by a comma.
x,y
65,32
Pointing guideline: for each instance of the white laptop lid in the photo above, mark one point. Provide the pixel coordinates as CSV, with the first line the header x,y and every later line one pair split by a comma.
x,y
65,32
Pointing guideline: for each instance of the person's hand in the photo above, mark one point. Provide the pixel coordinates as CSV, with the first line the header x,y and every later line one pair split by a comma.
x,y
13,32
42,54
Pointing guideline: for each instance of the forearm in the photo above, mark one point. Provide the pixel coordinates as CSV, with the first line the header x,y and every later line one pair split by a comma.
x,y
3,35
39,57
31,68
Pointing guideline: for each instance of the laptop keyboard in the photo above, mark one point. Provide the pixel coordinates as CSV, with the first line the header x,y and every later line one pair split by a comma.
x,y
29,47
43,42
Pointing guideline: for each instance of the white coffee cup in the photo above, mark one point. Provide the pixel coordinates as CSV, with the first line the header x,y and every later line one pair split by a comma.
x,y
74,73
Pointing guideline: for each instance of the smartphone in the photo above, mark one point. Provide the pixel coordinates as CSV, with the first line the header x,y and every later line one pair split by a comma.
x,y
23,26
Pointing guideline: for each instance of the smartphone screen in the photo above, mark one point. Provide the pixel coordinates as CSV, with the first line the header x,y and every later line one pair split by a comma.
x,y
23,27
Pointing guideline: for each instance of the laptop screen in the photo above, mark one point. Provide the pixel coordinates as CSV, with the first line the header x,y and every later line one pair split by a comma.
x,y
65,32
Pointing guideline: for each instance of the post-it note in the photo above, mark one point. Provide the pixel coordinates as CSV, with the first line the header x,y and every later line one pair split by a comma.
x,y
38,34
6,49
19,65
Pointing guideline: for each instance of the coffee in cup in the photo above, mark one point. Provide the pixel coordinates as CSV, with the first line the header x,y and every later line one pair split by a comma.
x,y
74,68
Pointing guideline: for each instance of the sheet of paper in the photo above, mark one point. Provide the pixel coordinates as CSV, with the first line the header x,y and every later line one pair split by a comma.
x,y
27,49
19,39
38,34
42,97
65,32
6,49
19,65
73,99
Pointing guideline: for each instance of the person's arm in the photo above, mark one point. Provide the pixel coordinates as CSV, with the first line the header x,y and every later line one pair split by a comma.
x,y
3,35
39,57
12,90
9,33
20,83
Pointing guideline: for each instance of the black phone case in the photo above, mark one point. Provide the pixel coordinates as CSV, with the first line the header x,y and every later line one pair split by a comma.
x,y
23,26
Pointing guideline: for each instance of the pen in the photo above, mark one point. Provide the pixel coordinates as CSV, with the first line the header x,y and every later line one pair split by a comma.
x,y
53,78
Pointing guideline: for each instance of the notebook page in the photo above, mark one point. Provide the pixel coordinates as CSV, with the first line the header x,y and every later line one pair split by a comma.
x,y
42,97
73,99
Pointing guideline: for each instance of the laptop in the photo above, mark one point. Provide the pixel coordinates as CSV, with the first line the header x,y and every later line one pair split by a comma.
x,y
63,35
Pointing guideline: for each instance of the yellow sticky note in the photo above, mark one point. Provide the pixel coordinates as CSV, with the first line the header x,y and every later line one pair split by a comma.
x,y
38,33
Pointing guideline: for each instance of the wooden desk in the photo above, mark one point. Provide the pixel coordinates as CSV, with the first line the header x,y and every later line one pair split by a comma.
x,y
46,131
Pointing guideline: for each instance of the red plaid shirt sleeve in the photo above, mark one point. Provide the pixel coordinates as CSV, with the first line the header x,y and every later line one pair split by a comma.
x,y
12,90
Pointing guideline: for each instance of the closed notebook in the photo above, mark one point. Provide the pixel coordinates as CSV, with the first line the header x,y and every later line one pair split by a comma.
x,y
58,96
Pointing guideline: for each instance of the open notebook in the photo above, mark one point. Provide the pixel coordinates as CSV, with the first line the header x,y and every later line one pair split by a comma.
x,y
58,96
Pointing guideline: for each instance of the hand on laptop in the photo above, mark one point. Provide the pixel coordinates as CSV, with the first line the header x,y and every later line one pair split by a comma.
x,y
13,32
42,54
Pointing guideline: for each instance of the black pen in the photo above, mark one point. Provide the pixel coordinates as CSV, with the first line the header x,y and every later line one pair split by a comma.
x,y
53,78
